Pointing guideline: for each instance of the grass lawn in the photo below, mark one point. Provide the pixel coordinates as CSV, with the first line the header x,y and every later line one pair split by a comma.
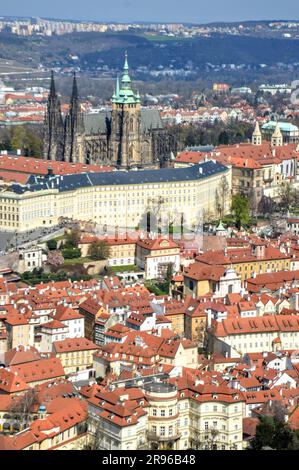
x,y
129,268
68,262
60,237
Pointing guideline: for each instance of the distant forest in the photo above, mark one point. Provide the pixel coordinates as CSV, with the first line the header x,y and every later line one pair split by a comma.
x,y
108,48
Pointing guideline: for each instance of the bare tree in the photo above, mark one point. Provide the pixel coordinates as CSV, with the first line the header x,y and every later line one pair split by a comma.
x,y
221,196
96,433
23,407
205,440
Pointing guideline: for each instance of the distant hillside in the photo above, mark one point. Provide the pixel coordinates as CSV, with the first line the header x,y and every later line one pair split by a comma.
x,y
94,49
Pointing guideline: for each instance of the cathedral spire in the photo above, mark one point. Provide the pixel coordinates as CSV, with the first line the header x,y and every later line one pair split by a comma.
x,y
52,93
123,93
53,126
126,81
75,94
126,66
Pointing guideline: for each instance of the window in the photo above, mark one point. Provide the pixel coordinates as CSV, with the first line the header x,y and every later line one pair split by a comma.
x,y
154,412
162,430
162,412
206,425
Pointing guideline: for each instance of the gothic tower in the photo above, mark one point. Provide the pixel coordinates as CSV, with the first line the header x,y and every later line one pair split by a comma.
x,y
257,135
277,138
74,127
125,124
53,127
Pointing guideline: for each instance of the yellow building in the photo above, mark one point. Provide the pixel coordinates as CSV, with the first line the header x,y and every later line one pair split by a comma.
x,y
175,312
65,429
75,354
195,323
114,199
19,331
121,249
258,258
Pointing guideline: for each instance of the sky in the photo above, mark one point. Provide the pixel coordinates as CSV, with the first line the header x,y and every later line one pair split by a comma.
x,y
197,11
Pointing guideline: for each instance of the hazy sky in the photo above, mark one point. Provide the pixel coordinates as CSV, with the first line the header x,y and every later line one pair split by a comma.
x,y
154,10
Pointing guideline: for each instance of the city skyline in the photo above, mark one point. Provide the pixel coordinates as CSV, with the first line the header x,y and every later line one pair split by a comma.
x,y
134,11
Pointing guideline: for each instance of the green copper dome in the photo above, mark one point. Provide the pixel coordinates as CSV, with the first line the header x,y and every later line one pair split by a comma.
x,y
125,94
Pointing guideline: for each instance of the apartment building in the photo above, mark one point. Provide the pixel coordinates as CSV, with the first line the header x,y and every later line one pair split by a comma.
x,y
177,414
236,337
75,354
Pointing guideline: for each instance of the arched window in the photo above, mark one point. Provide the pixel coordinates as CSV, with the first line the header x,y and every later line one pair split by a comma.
x,y
131,125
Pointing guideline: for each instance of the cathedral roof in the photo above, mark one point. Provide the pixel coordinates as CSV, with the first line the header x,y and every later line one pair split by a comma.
x,y
71,182
95,123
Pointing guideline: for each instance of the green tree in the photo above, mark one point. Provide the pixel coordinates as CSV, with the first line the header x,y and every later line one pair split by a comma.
x,y
70,253
25,139
274,432
72,239
223,138
99,250
264,433
240,210
52,244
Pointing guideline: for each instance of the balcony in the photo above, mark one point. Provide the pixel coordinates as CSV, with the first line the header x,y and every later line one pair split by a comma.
x,y
268,179
152,436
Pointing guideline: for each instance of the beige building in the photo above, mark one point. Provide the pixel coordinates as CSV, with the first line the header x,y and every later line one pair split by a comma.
x,y
268,333
155,255
177,415
114,199
19,331
75,354
121,249
65,429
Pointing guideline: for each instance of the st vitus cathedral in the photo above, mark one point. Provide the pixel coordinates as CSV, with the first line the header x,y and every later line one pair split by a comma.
x,y
128,136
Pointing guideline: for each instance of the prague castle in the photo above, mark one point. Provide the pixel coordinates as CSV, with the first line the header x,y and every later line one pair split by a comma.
x,y
114,199
126,137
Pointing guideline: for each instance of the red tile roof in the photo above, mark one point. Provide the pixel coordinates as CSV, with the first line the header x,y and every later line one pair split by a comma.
x,y
44,369
36,166
74,344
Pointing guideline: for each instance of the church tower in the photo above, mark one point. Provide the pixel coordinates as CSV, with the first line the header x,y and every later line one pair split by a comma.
x,y
74,127
125,124
257,135
277,138
53,127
